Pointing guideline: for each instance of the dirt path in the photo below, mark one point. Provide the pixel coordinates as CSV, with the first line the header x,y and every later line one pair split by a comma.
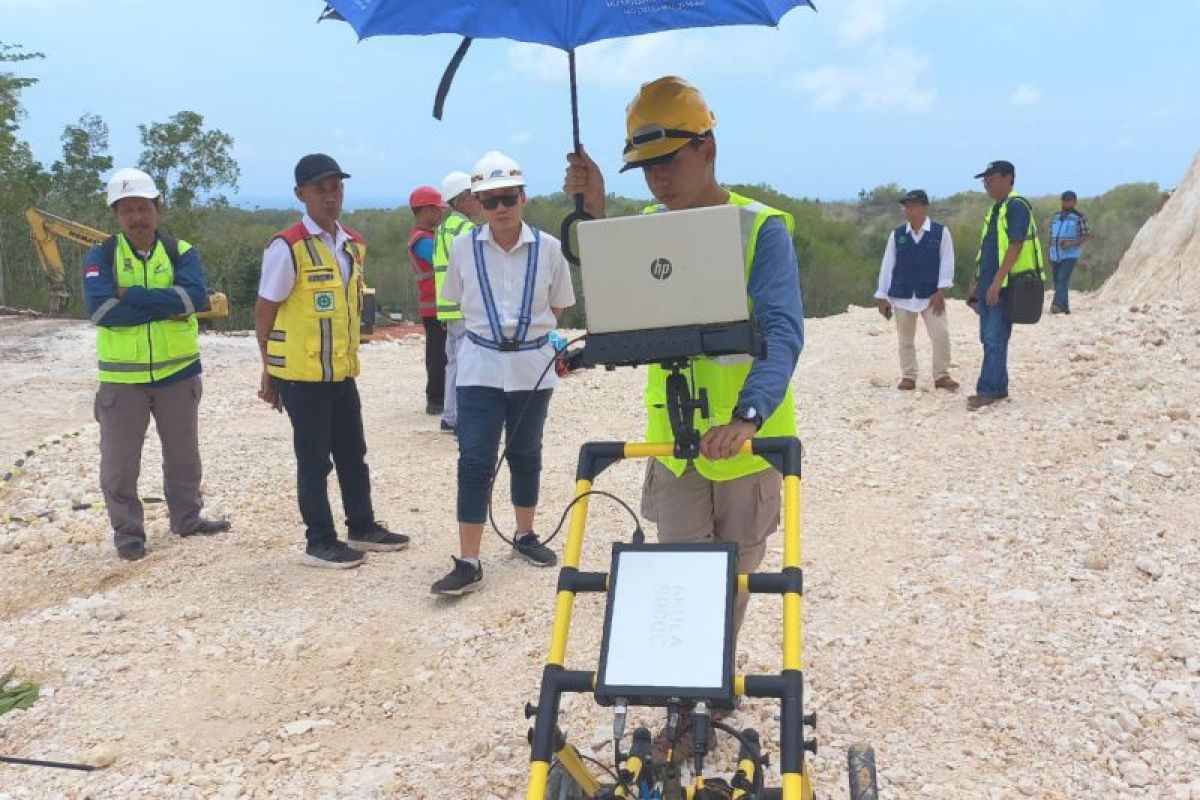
x,y
1003,602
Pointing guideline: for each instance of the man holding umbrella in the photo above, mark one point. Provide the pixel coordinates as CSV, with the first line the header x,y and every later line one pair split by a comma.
x,y
724,496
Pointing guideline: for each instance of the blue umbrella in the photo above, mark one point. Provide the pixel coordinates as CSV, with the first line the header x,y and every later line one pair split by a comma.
x,y
565,24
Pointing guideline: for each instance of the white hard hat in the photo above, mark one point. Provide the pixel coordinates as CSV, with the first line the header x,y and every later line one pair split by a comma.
x,y
129,182
495,171
455,184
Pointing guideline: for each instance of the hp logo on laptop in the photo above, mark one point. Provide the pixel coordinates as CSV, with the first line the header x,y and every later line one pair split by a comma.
x,y
660,268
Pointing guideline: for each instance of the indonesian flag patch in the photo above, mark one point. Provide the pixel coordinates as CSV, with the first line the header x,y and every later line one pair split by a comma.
x,y
91,271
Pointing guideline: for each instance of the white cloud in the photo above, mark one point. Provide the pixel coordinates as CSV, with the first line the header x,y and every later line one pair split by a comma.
x,y
891,80
1026,95
858,21
520,138
616,62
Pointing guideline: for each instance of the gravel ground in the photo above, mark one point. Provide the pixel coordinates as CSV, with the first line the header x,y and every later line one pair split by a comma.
x,y
1006,603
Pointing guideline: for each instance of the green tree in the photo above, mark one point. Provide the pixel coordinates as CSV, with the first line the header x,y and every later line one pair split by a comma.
x,y
185,159
76,189
22,182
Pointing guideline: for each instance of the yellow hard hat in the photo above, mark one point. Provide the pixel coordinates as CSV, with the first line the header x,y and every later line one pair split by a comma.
x,y
666,114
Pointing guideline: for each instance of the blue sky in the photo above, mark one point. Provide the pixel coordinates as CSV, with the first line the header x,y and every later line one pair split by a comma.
x,y
1084,94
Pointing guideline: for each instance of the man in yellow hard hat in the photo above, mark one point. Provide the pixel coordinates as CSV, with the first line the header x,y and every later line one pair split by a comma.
x,y
723,495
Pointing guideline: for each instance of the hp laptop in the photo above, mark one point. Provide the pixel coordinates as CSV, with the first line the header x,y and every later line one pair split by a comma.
x,y
666,285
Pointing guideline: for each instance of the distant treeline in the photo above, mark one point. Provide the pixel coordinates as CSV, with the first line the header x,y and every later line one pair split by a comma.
x,y
839,244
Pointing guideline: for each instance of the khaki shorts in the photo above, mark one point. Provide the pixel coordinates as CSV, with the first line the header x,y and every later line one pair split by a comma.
x,y
692,508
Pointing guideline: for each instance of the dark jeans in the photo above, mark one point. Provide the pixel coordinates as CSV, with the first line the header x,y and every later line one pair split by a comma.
x,y
327,421
1062,281
435,361
483,412
994,332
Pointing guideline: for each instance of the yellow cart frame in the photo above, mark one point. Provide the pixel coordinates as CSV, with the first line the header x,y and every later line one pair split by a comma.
x,y
546,740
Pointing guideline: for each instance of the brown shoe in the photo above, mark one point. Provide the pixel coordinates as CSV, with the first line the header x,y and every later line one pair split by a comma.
x,y
978,401
907,384
947,383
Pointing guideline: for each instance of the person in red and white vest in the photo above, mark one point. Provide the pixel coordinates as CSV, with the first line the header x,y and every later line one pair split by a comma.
x,y
427,209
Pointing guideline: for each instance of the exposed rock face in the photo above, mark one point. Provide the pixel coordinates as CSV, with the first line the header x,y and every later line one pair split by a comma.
x,y
1163,263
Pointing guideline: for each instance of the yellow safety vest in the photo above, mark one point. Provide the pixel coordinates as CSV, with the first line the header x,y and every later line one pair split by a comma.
x,y
316,331
451,227
723,378
155,350
1031,254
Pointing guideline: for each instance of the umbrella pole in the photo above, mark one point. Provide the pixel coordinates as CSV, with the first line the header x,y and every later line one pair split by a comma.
x,y
579,213
574,101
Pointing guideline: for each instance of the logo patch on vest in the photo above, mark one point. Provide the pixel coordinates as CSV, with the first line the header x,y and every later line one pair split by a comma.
x,y
323,301
661,269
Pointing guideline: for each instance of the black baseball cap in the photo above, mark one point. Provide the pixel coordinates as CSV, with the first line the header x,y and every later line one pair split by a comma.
x,y
1069,195
315,166
998,168
915,196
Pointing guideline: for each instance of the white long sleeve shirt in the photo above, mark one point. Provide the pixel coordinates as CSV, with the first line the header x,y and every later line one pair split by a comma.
x,y
945,271
515,371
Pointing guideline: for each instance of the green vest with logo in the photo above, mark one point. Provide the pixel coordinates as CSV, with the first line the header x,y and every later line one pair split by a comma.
x,y
452,226
723,377
154,350
1031,254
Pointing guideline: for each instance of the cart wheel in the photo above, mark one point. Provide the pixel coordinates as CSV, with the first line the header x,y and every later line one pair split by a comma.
x,y
560,785
860,758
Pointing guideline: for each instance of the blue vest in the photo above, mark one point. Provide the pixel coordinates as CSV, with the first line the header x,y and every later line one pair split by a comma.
x,y
1065,225
917,263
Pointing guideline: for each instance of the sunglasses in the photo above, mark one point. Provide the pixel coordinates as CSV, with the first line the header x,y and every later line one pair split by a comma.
x,y
493,202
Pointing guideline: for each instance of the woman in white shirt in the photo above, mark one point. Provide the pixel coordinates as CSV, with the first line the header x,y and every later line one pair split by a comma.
x,y
512,284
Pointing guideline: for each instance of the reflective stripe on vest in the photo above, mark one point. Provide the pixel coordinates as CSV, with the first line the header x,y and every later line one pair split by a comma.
x,y
155,350
451,227
1031,254
316,333
723,378
524,315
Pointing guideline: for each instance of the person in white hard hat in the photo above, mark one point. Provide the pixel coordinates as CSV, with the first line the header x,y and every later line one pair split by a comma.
x,y
465,213
142,290
512,283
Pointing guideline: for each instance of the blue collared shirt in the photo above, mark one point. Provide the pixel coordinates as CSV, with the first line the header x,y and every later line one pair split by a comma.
x,y
779,312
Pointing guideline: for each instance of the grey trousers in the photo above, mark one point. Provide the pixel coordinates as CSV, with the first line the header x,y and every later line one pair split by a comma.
x,y
456,331
691,508
123,411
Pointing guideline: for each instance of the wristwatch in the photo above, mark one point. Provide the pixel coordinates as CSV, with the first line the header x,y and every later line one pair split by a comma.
x,y
749,414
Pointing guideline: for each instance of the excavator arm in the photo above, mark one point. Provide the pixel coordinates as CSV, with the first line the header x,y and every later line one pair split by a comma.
x,y
46,228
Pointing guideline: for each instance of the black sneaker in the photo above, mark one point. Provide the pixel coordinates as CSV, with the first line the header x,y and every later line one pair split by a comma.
x,y
208,527
331,555
434,409
463,579
446,427
529,548
132,551
379,539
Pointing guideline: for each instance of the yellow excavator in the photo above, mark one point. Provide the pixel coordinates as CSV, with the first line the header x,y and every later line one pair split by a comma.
x,y
46,227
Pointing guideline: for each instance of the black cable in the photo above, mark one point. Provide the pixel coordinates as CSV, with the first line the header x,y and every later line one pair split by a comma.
x,y
611,774
751,748
504,456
